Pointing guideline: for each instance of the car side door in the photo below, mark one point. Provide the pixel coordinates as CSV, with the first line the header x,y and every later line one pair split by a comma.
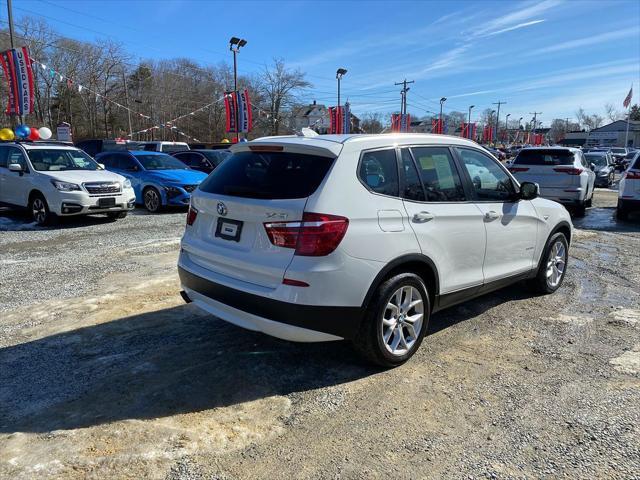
x,y
511,224
448,225
17,185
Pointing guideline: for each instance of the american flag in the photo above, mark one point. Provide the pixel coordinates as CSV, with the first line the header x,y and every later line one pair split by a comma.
x,y
627,101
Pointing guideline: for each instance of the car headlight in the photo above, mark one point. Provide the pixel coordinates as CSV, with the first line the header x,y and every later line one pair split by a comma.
x,y
65,186
126,183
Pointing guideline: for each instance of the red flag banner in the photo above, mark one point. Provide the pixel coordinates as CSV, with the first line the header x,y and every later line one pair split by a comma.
x,y
231,111
16,65
400,122
437,126
336,120
627,100
487,134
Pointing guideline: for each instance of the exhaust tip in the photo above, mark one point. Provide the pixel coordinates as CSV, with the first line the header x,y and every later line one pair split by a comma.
x,y
184,296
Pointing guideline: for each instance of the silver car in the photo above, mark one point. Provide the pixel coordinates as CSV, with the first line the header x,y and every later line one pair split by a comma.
x,y
563,174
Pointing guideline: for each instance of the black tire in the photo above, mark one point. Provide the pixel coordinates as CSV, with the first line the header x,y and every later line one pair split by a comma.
x,y
40,212
369,341
589,202
622,213
579,210
116,215
149,204
541,283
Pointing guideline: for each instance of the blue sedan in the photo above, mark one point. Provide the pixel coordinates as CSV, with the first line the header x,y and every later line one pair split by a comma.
x,y
158,179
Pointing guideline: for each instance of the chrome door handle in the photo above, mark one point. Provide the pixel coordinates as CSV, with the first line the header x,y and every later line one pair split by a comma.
x,y
422,217
491,215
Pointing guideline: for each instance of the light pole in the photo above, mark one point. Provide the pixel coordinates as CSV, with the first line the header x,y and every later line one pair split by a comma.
x,y
506,125
519,125
442,100
234,45
469,133
341,72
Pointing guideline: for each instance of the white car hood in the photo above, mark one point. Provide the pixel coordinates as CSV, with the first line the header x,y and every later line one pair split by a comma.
x,y
82,176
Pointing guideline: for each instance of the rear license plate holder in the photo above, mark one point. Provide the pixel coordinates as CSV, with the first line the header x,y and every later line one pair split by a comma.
x,y
228,229
107,202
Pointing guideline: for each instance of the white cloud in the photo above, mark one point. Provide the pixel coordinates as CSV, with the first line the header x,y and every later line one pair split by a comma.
x,y
517,16
590,40
514,27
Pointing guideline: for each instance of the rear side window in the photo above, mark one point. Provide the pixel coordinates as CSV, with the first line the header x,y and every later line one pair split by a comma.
x,y
636,166
268,175
379,171
3,157
439,175
544,157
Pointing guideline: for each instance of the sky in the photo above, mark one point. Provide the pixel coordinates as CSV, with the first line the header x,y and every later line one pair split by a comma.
x,y
549,56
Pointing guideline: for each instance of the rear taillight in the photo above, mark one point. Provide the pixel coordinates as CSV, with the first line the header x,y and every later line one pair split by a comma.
x,y
191,215
631,175
316,235
518,169
569,170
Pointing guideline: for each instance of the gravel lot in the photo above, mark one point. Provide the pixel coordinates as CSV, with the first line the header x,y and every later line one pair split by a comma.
x,y
105,373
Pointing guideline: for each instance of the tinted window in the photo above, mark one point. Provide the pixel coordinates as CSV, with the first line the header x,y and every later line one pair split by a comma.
x,y
490,181
160,162
3,157
544,157
379,171
92,147
106,160
439,175
269,175
169,148
636,166
412,186
124,162
216,157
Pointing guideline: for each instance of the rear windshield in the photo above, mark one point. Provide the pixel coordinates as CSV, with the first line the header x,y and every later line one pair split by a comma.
x,y
269,175
618,150
544,157
596,159
170,148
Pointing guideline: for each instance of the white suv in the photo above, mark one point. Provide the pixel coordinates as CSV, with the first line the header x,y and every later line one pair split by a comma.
x,y
629,189
54,180
563,173
363,237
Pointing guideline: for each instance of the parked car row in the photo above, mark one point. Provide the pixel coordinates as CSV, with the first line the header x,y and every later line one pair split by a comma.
x,y
569,176
53,179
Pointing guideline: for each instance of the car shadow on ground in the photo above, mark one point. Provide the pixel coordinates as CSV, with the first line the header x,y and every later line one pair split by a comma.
x,y
604,219
173,361
18,220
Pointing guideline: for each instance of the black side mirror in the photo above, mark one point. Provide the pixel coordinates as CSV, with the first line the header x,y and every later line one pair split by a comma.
x,y
529,190
592,167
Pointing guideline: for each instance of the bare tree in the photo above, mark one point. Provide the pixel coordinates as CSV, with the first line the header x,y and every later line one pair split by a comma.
x,y
612,113
372,122
277,87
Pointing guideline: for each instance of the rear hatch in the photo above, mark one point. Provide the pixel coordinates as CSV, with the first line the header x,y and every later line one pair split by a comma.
x,y
258,184
550,168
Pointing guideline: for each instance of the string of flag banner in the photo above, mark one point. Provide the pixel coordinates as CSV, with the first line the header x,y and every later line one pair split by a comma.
x,y
170,123
79,87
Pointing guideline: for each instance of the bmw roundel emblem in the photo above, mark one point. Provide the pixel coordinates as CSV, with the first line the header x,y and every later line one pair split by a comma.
x,y
222,209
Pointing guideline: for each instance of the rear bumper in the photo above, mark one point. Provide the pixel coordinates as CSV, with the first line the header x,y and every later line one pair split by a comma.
x,y
289,321
566,196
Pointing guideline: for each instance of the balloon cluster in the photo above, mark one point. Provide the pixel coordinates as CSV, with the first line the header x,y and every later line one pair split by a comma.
x,y
24,131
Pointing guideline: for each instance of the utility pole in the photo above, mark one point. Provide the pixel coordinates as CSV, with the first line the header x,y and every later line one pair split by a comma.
x,y
126,101
442,100
500,102
469,132
403,100
10,18
339,74
506,126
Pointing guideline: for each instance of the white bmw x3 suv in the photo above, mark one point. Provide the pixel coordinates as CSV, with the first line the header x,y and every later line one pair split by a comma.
x,y
363,237
53,179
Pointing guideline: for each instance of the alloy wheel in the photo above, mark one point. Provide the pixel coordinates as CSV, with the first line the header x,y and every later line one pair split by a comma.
x,y
39,210
556,264
402,320
151,200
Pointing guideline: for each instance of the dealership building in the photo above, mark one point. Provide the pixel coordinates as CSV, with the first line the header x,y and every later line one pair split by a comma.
x,y
614,134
